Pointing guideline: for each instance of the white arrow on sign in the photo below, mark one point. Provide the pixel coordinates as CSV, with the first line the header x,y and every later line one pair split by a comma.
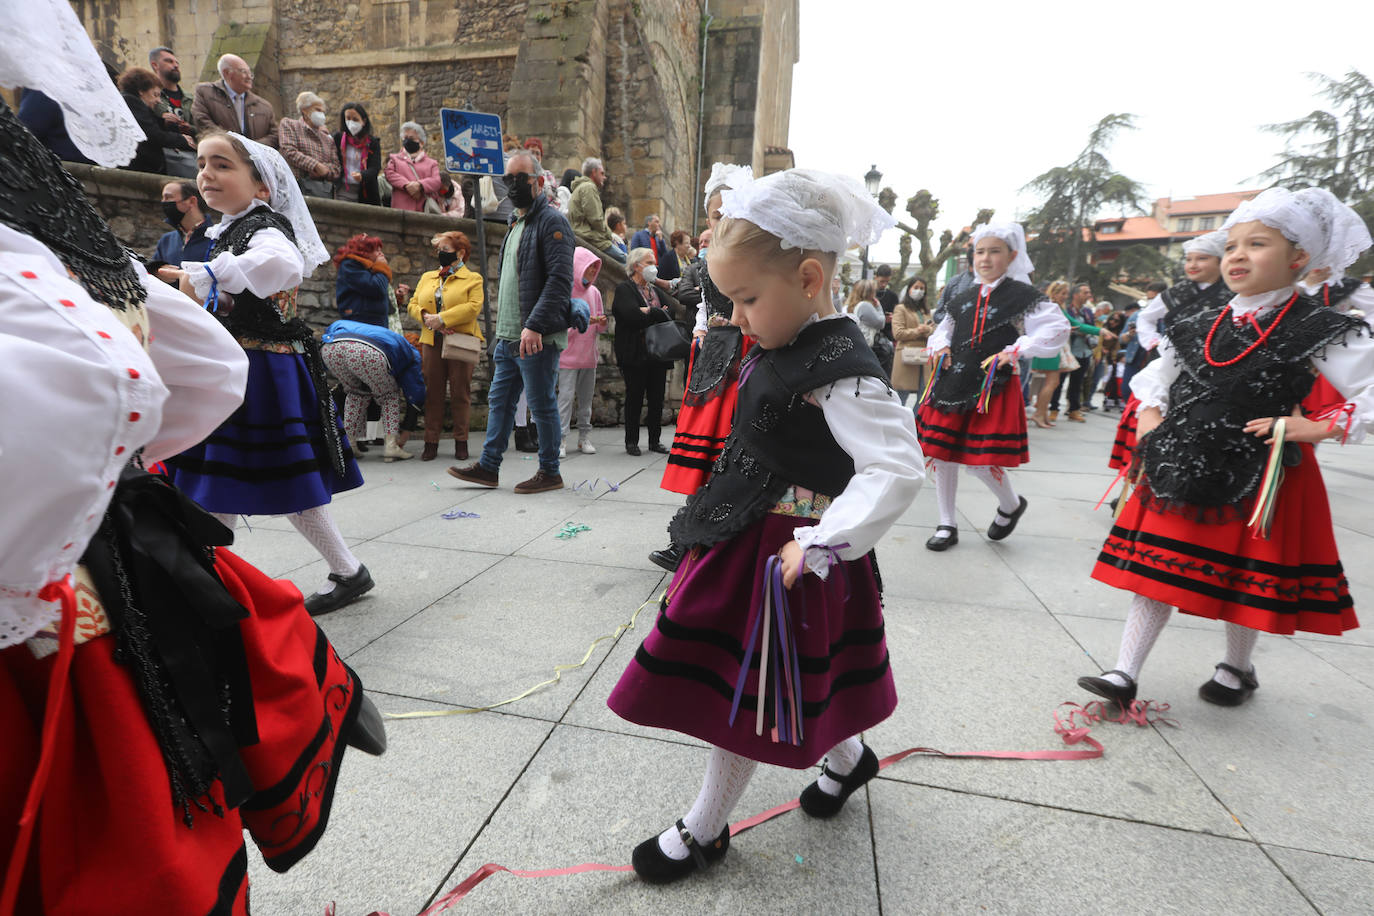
x,y
463,141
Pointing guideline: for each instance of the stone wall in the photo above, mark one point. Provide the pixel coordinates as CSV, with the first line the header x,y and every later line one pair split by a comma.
x,y
128,201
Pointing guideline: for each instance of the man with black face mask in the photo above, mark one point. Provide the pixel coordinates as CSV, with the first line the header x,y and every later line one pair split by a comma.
x,y
533,314
184,211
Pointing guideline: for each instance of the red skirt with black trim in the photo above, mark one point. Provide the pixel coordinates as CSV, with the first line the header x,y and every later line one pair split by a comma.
x,y
1291,581
1123,447
108,837
699,437
997,437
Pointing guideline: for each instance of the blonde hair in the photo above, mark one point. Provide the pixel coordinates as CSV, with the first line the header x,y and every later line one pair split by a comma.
x,y
743,238
1057,287
862,291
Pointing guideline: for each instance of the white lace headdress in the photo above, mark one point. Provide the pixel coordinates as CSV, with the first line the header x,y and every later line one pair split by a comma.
x,y
1213,243
815,211
1314,219
1015,237
44,47
725,175
286,199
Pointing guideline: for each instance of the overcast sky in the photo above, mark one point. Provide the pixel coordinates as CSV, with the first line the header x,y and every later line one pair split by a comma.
x,y
972,100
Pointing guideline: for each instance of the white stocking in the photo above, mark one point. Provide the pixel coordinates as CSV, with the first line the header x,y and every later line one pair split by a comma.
x,y
841,760
1240,644
1143,625
946,486
317,526
727,775
999,482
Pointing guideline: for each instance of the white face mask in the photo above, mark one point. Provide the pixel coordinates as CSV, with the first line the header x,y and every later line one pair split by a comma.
x,y
918,294
650,273
354,127
317,118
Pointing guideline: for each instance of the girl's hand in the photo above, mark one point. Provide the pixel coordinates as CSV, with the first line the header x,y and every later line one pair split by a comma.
x,y
184,284
172,274
1296,428
942,357
791,555
1006,358
699,335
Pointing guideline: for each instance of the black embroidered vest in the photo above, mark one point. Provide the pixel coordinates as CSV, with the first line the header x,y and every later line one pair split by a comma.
x,y
253,316
779,438
1200,455
716,363
997,327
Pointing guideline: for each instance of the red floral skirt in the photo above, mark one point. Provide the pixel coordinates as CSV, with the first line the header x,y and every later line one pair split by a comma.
x,y
108,837
997,437
1291,581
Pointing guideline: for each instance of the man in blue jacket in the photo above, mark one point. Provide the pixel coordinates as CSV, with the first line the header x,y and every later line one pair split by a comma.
x,y
533,312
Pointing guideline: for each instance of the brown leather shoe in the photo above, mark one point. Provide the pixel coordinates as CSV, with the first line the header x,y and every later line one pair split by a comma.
x,y
431,451
1077,416
460,449
475,473
541,482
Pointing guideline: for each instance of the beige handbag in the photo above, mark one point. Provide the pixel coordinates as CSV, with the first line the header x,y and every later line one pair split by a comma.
x,y
465,348
915,356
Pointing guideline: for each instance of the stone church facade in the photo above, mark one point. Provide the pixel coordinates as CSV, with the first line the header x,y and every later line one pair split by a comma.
x,y
658,89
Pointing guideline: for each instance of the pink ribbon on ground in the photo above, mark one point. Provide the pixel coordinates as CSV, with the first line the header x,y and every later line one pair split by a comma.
x,y
1073,729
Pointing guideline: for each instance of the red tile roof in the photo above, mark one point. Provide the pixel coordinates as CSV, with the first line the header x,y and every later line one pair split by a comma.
x,y
1133,229
1204,203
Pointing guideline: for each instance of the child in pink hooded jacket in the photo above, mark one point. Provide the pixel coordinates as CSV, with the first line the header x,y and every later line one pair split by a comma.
x,y
577,364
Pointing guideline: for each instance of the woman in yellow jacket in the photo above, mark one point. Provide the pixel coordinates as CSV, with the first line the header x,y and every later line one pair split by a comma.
x,y
447,301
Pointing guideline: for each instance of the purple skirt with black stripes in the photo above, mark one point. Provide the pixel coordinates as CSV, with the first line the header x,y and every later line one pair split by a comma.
x,y
269,457
683,677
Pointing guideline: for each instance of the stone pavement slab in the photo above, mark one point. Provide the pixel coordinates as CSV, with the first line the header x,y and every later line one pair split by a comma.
x,y
1261,809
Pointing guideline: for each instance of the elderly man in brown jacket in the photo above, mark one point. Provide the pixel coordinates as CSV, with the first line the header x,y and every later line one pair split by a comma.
x,y
230,104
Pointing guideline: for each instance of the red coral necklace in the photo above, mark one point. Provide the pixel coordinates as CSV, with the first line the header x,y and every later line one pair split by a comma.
x,y
1263,336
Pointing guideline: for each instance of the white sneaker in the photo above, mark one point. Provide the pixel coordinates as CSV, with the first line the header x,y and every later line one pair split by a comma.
x,y
585,447
562,451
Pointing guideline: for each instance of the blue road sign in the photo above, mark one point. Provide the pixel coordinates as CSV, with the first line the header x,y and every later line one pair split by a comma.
x,y
472,142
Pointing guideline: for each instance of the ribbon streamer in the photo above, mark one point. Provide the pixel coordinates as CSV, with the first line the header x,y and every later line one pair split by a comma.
x,y
1073,729
557,674
931,380
1262,519
459,513
591,486
212,298
571,530
985,392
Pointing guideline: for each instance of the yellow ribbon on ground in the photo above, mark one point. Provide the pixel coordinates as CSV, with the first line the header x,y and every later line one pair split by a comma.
x,y
557,674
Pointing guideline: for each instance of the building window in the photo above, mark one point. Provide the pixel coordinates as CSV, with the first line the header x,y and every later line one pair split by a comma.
x,y
1206,223
1185,225
1108,230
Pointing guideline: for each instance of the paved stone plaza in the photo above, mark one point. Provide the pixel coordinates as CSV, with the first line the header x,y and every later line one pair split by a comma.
x,y
1261,809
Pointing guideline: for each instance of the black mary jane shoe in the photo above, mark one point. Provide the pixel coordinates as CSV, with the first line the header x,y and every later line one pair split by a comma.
x,y
997,531
669,558
346,590
945,542
1215,692
818,803
651,864
369,732
633,450
1110,690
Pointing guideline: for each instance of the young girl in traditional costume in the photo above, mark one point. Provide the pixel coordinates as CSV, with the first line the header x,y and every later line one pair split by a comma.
x,y
1230,518
283,452
709,397
822,460
971,415
158,696
1202,289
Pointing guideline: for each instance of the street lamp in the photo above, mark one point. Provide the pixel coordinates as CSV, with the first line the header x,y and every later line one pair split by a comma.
x,y
873,181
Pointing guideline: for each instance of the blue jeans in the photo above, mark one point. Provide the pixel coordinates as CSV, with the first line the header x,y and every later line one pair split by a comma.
x,y
537,376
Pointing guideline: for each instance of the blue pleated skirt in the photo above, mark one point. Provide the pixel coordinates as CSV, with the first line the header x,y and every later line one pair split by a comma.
x,y
270,457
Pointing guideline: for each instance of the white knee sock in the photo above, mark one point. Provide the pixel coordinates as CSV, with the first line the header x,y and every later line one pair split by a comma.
x,y
999,482
727,775
1240,644
841,760
946,486
317,526
1143,625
